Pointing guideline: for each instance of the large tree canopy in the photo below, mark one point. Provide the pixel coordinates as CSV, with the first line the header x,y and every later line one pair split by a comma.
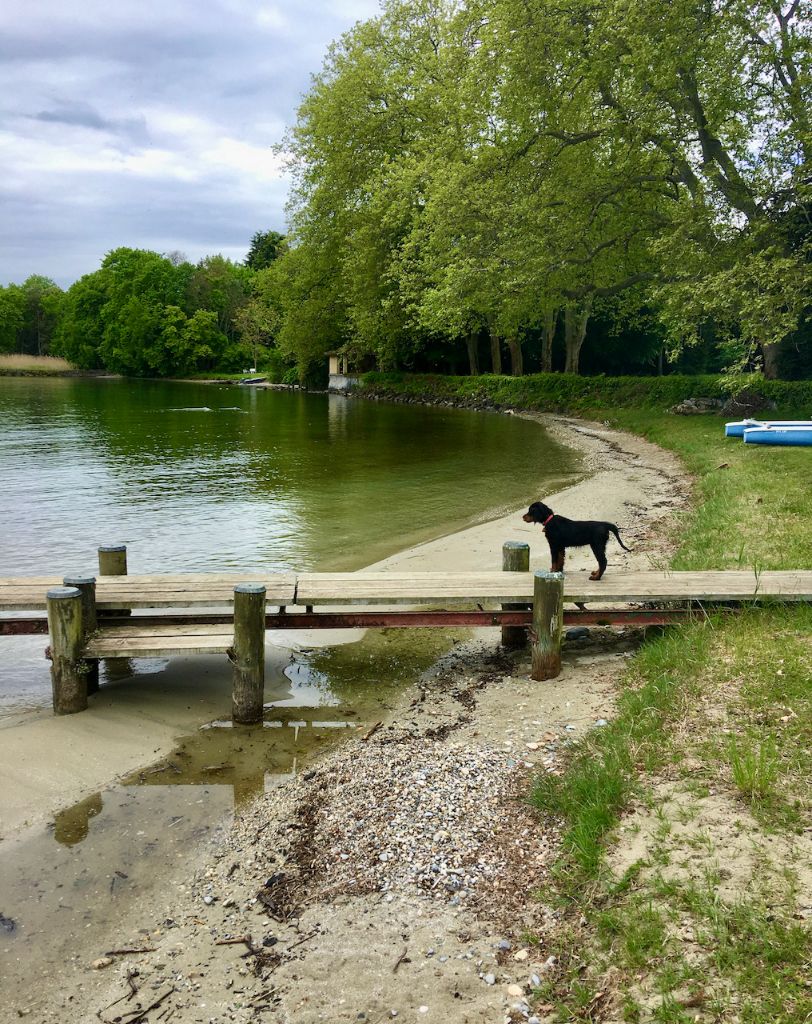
x,y
493,167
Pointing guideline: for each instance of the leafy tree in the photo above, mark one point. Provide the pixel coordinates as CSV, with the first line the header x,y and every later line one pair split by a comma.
x,y
717,96
186,344
138,286
266,246
221,286
43,299
12,316
80,332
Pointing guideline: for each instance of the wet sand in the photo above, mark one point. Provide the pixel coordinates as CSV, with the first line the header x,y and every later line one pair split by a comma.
x,y
629,482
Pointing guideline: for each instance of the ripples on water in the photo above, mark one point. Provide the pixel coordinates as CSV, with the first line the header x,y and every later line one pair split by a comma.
x,y
199,477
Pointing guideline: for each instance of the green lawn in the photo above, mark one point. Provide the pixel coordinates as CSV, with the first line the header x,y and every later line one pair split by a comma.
x,y
752,504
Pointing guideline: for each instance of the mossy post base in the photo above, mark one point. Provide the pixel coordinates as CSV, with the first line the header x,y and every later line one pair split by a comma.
x,y
248,653
515,558
86,585
548,618
67,639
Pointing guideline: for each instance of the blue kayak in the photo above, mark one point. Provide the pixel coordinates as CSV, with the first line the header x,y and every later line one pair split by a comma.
x,y
797,436
738,429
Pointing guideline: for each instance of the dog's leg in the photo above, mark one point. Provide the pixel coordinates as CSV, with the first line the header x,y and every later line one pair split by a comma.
x,y
599,551
558,561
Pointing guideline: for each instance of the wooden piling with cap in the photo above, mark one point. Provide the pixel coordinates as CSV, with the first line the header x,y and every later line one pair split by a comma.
x,y
67,638
515,558
548,619
248,653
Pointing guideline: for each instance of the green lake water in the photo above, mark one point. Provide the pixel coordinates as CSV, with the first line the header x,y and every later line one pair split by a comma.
x,y
204,477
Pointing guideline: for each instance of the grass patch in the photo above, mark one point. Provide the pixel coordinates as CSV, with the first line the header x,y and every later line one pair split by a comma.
x,y
569,392
719,707
605,767
754,766
752,502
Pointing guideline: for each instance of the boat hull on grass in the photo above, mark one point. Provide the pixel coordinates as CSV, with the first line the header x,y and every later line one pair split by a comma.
x,y
798,437
738,429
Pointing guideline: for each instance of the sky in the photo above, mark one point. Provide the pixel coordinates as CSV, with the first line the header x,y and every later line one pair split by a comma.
x,y
149,124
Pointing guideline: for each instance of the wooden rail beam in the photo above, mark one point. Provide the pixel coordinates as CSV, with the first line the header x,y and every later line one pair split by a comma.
x,y
36,626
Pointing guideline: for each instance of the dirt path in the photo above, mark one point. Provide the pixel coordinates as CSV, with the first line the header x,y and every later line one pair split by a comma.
x,y
400,877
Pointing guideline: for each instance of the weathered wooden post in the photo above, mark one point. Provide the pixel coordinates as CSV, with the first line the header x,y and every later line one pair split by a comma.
x,y
65,628
548,618
248,653
86,585
515,558
113,560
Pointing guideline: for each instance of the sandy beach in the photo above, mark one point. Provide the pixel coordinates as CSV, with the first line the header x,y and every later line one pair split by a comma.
x,y
340,896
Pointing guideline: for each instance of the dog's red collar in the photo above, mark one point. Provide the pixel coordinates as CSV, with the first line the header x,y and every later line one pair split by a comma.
x,y
547,520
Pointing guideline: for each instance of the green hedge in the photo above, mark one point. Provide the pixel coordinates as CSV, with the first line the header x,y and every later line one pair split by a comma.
x,y
566,392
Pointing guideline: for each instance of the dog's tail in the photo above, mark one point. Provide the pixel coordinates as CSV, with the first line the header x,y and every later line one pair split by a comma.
x,y
613,528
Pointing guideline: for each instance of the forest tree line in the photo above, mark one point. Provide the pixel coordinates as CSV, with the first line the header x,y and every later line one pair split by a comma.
x,y
145,313
503,185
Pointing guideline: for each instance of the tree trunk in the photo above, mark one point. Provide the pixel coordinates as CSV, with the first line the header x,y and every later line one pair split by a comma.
x,y
496,353
772,360
575,322
473,361
516,359
547,336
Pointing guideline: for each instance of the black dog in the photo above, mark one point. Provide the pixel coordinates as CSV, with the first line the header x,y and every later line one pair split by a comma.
x,y
562,533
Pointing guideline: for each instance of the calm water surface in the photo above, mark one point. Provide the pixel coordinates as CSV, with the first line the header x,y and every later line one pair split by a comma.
x,y
205,477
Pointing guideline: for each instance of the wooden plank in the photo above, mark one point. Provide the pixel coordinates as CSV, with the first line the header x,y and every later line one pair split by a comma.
x,y
30,581
433,588
185,590
446,588
411,588
148,646
226,578
202,578
730,585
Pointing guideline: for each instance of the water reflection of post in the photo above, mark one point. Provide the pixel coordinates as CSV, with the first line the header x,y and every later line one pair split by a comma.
x,y
72,825
337,416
